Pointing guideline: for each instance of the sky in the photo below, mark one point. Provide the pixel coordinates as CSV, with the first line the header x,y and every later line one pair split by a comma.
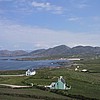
x,y
39,24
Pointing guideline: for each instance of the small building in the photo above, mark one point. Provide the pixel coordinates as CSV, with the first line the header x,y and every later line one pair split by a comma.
x,y
77,68
60,84
30,72
84,70
74,59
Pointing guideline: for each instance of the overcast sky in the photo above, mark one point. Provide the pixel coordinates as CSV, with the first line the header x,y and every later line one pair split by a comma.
x,y
36,24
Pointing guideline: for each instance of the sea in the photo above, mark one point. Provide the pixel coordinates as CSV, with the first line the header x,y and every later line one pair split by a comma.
x,y
6,63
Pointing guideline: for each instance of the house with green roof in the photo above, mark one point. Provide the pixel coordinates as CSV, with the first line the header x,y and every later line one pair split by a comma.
x,y
60,84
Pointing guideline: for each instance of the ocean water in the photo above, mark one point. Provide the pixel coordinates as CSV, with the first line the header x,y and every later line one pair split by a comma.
x,y
7,64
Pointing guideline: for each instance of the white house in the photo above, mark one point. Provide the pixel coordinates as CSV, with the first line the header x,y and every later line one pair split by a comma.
x,y
30,72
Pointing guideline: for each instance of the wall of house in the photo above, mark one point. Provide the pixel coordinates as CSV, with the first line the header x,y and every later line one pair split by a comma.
x,y
59,85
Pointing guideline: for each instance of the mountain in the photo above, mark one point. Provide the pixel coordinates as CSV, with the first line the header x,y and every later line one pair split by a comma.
x,y
85,50
65,50
18,52
4,53
55,51
36,52
58,50
12,53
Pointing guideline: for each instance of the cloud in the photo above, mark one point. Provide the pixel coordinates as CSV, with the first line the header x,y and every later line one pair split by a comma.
x,y
96,18
41,45
74,19
82,5
1,47
27,37
16,7
47,6
79,3
29,6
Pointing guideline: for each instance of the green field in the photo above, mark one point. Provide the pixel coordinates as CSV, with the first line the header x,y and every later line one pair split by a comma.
x,y
83,84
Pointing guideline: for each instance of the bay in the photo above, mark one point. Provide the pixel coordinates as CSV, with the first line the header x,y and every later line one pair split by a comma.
x,y
7,64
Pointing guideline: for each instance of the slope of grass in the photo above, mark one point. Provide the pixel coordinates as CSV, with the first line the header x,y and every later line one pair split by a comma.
x,y
85,84
31,94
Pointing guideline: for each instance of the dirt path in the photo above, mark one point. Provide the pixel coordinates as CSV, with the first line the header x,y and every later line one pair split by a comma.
x,y
12,75
14,86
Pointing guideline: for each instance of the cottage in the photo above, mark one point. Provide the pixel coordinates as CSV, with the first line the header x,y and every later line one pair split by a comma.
x,y
60,84
30,72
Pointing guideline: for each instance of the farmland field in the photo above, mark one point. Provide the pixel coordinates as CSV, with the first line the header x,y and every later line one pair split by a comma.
x,y
83,84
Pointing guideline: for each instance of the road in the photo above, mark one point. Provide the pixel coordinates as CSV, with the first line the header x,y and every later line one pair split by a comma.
x,y
12,75
14,86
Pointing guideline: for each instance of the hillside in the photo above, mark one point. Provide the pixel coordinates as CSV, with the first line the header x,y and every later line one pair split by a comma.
x,y
58,50
85,50
36,52
64,50
12,53
84,85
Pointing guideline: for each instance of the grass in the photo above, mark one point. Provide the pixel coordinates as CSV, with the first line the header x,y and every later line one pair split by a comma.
x,y
84,84
30,94
6,97
12,72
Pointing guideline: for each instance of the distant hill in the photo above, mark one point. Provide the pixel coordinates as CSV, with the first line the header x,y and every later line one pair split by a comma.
x,y
55,51
36,52
12,53
65,50
85,50
58,50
